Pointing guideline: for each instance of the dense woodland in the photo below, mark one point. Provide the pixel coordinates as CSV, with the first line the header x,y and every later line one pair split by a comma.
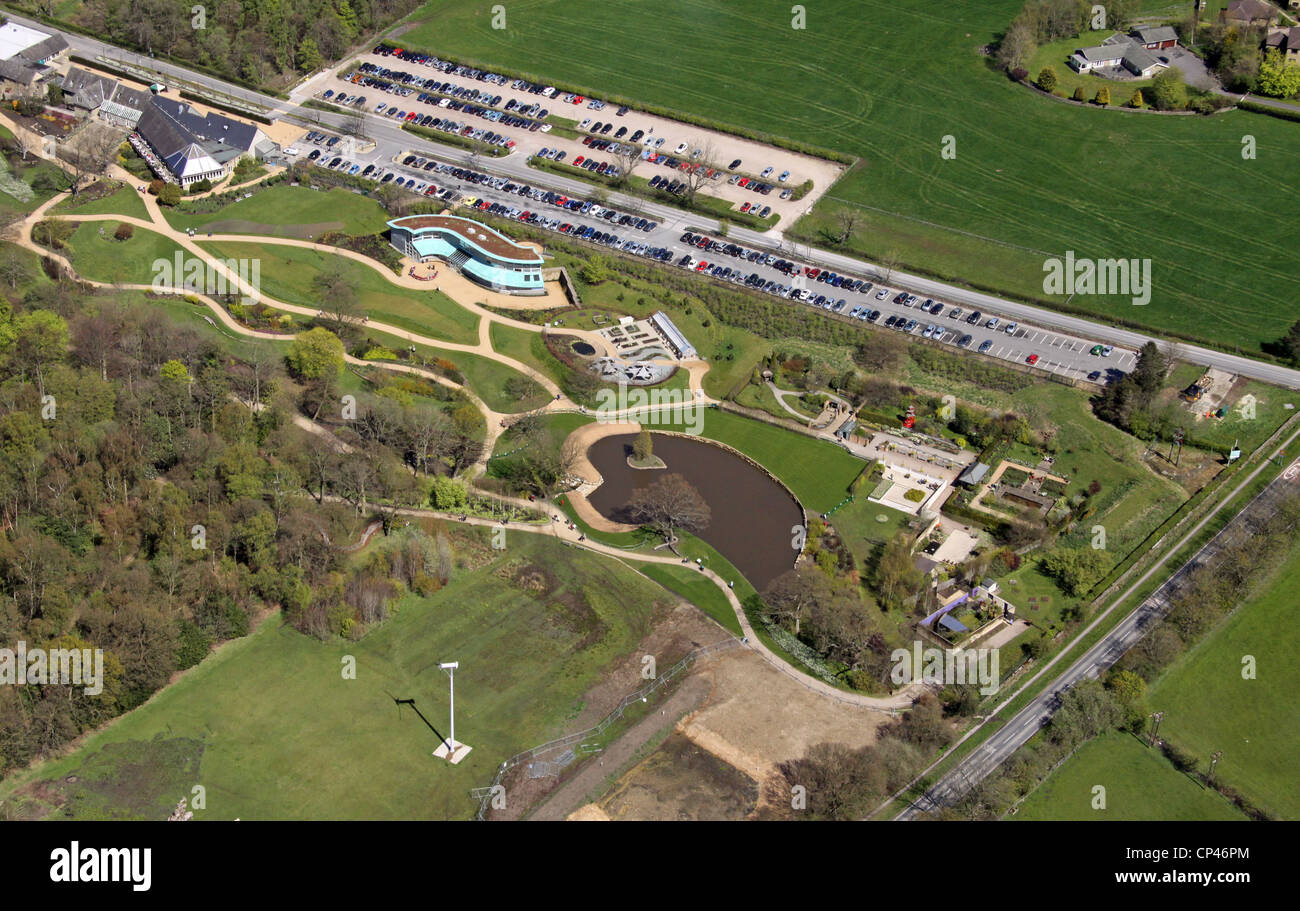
x,y
156,495
260,42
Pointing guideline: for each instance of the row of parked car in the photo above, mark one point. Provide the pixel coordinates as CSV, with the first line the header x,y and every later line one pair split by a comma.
x,y
449,96
469,72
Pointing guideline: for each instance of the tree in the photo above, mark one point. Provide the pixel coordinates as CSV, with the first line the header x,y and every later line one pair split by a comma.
x,y
696,174
670,503
790,596
447,493
627,155
1086,710
1076,569
1017,46
1288,345
1278,77
40,339
169,194
643,447
337,292
309,55
846,219
1168,91
1103,96
1047,79
1078,94
1136,101
315,353
124,231
13,268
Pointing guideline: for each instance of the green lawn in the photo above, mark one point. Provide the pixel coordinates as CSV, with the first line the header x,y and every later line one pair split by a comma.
x,y
886,82
99,257
1208,706
124,201
287,211
693,587
272,730
1140,784
485,377
287,274
527,347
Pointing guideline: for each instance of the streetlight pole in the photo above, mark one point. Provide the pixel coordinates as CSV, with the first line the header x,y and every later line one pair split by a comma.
x,y
450,668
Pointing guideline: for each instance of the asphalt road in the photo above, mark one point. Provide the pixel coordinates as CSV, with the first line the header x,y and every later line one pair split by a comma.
x,y
968,773
1061,332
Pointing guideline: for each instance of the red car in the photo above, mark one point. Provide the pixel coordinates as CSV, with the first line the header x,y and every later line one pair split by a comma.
x,y
744,207
577,162
1032,359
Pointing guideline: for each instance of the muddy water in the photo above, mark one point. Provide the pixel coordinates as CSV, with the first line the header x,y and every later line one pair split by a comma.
x,y
751,514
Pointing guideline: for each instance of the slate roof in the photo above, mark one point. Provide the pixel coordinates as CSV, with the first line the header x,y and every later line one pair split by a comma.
x,y
88,90
1159,33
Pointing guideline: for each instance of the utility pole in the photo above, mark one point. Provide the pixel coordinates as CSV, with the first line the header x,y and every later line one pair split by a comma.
x,y
1158,716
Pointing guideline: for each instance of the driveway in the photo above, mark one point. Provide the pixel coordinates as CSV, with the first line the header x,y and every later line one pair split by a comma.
x,y
1195,73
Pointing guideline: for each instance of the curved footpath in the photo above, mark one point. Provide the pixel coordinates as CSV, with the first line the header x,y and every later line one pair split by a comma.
x,y
899,700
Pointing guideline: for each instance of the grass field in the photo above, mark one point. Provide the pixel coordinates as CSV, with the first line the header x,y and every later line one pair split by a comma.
x,y
484,376
100,257
287,274
1140,784
886,82
124,201
1209,707
272,730
288,212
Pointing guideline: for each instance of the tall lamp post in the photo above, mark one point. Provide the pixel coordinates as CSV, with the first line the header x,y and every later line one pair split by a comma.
x,y
449,749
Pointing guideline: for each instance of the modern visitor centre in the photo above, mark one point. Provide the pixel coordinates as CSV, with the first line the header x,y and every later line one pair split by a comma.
x,y
477,251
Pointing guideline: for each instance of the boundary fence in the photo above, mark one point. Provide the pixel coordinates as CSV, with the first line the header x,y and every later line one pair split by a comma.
x,y
484,795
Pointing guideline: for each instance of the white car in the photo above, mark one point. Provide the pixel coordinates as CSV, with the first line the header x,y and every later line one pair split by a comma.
x,y
680,149
1011,327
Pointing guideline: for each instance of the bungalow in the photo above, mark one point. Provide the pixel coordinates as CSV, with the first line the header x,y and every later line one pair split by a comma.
x,y
1117,51
1287,41
1250,13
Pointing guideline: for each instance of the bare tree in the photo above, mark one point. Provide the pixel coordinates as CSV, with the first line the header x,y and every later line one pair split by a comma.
x,y
696,174
628,157
339,300
793,593
888,263
846,219
670,503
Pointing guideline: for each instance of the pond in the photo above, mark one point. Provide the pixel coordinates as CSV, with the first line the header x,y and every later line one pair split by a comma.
x,y
751,514
584,348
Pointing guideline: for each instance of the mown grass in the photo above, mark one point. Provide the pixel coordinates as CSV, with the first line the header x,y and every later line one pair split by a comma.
x,y
1140,784
287,274
1209,705
288,207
